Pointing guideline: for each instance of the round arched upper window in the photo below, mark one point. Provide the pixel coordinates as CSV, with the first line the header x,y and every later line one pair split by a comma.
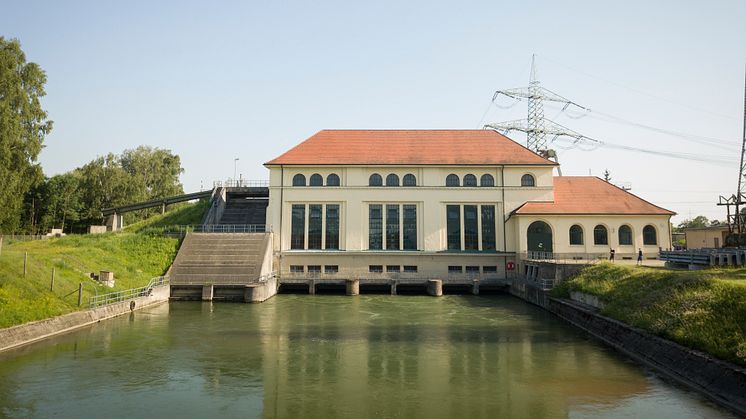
x,y
470,180
528,180
316,180
375,180
299,180
409,180
452,180
392,180
332,180
487,180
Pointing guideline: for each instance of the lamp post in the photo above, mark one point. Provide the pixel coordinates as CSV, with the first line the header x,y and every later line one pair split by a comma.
x,y
235,161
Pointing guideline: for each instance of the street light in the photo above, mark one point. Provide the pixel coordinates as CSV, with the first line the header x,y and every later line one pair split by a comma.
x,y
234,168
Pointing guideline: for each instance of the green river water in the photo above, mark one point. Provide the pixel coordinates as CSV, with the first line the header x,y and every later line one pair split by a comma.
x,y
329,356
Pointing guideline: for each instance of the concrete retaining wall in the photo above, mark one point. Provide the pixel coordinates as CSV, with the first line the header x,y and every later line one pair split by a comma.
x,y
722,382
24,334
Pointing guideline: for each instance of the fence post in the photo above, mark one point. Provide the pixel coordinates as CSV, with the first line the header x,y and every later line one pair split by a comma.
x,y
80,294
51,285
1,244
25,259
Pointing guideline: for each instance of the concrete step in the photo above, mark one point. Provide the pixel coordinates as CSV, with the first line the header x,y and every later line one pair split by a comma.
x,y
217,270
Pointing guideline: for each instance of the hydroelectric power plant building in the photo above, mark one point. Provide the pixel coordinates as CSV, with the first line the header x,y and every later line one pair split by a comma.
x,y
408,209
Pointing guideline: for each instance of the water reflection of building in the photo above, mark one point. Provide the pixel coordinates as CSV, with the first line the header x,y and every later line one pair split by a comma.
x,y
390,364
441,204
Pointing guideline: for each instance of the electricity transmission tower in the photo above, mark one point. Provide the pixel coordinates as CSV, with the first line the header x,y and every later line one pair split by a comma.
x,y
536,127
737,202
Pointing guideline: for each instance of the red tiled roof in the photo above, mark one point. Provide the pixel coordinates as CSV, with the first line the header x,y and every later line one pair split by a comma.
x,y
409,147
578,195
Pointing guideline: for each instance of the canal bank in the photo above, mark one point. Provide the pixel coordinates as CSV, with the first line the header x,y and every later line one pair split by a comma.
x,y
722,382
27,333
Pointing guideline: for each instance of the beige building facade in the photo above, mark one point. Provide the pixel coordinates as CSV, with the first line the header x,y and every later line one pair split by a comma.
x,y
436,204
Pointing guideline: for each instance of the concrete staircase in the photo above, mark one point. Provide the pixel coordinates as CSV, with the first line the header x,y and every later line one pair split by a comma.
x,y
220,259
244,211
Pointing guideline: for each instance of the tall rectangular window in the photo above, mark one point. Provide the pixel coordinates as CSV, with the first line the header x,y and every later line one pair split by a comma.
x,y
410,226
332,226
375,227
314,226
392,227
488,227
471,229
453,226
298,227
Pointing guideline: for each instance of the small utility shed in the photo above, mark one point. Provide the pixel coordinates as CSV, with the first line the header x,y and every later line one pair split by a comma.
x,y
706,237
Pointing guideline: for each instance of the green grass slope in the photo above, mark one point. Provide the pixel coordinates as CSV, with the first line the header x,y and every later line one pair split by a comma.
x,y
134,257
704,310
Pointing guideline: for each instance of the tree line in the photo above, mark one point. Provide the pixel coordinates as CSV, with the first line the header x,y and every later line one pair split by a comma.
x,y
33,203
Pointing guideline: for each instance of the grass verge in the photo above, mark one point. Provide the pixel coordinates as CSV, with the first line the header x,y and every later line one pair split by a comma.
x,y
703,310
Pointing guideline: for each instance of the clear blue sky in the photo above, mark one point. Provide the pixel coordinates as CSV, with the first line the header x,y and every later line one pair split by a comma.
x,y
217,80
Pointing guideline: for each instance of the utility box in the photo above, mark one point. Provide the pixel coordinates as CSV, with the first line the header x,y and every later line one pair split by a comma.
x,y
107,278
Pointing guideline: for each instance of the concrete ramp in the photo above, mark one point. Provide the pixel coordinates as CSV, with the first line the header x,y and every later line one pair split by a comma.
x,y
223,266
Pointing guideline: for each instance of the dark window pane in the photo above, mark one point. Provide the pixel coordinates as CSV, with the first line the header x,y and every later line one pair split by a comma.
x,y
296,268
410,268
472,269
471,229
375,180
299,180
392,180
600,235
332,226
487,180
315,269
488,228
332,180
486,269
453,226
527,180
470,180
375,227
576,234
375,268
316,180
393,268
331,269
649,237
454,269
392,227
298,227
410,227
625,236
314,226
409,180
452,180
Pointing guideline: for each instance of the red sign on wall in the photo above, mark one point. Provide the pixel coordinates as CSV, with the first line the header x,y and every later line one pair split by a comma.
x,y
510,266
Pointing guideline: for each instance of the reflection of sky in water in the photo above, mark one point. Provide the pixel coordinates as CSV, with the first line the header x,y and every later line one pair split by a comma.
x,y
336,356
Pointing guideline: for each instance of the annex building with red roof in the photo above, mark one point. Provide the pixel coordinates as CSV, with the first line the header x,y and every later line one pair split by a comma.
x,y
441,204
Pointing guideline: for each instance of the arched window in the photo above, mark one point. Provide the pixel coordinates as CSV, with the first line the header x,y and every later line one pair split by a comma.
x,y
409,180
527,180
487,180
392,180
332,180
576,234
625,236
470,180
299,180
600,235
539,237
375,180
649,237
316,180
452,180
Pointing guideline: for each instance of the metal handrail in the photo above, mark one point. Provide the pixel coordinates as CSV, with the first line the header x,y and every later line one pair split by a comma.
x,y
215,228
578,257
240,183
124,295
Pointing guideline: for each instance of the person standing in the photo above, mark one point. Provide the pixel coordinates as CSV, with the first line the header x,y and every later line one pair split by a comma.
x,y
611,254
639,257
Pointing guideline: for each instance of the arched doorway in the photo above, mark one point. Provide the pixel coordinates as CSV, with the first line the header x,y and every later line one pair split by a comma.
x,y
539,237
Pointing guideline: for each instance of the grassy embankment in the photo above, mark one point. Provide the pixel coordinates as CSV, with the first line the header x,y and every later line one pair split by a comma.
x,y
703,310
134,257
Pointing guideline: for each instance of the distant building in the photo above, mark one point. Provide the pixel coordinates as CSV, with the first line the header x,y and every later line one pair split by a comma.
x,y
706,237
440,203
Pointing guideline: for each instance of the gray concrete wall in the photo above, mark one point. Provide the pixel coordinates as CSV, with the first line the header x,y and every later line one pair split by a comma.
x,y
24,334
723,382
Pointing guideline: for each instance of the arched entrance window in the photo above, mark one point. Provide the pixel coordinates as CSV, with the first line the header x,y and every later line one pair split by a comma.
x,y
625,236
649,237
600,235
539,237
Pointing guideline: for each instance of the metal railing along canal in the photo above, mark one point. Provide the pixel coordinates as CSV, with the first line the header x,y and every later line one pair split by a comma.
x,y
125,295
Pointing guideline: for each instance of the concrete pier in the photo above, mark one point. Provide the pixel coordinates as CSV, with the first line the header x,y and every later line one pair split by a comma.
x,y
312,287
475,287
393,287
352,287
207,292
435,287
